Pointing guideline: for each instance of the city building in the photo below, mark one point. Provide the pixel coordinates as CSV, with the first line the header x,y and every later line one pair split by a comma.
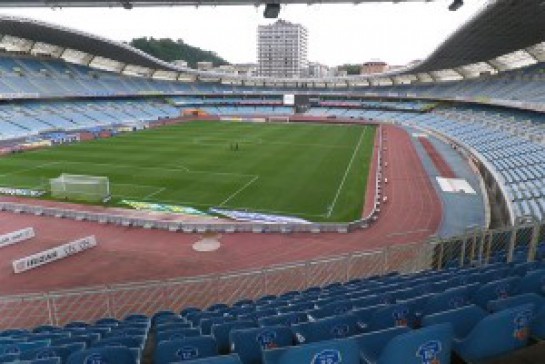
x,y
317,70
374,67
282,49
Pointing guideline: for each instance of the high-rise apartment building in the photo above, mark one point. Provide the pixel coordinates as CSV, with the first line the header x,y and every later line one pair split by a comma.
x,y
282,49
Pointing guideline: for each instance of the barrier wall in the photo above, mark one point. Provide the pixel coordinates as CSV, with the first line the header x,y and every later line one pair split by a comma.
x,y
524,242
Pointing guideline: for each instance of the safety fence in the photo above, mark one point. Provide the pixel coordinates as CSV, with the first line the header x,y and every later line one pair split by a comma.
x,y
523,242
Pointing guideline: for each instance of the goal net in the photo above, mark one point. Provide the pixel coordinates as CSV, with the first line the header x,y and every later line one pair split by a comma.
x,y
80,187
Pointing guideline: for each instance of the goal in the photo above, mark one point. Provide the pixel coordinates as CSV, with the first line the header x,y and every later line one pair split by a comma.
x,y
80,187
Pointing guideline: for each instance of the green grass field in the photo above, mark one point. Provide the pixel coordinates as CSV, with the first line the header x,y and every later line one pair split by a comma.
x,y
315,171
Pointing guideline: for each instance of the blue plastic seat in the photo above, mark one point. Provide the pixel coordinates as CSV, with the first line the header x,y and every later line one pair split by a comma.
x,y
176,334
195,317
21,347
371,344
206,323
221,359
329,351
187,310
108,321
256,315
533,282
243,302
9,358
402,345
249,343
189,348
78,324
386,316
366,301
522,269
501,288
449,299
328,328
478,336
221,333
162,315
527,298
126,341
136,317
46,329
172,325
117,355
86,339
301,306
287,319
45,361
537,328
218,307
62,352
331,309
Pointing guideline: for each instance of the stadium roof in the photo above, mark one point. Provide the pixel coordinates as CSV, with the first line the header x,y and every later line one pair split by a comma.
x,y
502,27
38,31
131,3
505,34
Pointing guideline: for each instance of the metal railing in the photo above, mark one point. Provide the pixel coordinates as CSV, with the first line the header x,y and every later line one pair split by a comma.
x,y
516,244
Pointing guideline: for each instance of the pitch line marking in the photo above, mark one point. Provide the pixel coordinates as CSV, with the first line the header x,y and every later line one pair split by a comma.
x,y
238,191
28,169
348,168
155,193
181,169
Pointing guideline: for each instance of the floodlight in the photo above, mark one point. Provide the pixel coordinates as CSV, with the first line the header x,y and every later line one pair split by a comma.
x,y
456,4
271,11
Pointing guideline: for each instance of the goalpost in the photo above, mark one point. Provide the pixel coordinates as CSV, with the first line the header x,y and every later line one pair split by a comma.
x,y
80,187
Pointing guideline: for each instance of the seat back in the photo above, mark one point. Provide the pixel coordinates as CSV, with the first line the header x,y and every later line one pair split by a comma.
x,y
449,299
21,347
498,334
127,341
330,351
331,309
426,345
462,319
249,343
221,359
287,319
522,299
117,355
494,290
328,328
398,314
176,334
533,282
185,349
221,333
62,352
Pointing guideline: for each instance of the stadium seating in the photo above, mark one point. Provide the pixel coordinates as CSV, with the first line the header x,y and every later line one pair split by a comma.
x,y
465,311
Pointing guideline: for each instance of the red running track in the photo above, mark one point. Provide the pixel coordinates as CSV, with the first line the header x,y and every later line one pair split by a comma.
x,y
124,254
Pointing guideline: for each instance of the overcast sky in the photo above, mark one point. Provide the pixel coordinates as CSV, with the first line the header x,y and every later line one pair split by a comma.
x,y
395,33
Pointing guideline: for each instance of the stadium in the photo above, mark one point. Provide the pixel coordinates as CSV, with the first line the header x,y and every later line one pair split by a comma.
x,y
153,213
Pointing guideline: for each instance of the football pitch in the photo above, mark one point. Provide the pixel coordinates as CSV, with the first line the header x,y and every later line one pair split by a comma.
x,y
317,172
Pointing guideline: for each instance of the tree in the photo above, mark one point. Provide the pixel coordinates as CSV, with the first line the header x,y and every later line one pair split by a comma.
x,y
169,50
351,69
